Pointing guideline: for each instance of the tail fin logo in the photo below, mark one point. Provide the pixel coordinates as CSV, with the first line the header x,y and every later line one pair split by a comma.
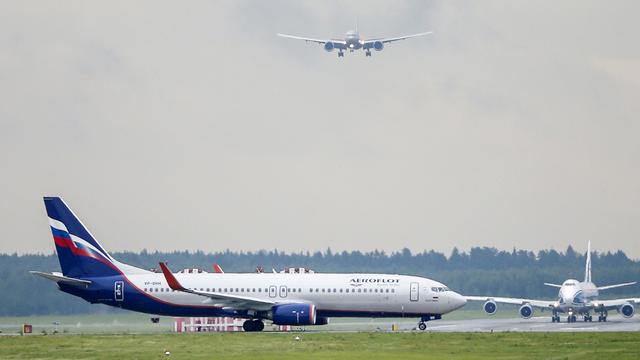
x,y
78,246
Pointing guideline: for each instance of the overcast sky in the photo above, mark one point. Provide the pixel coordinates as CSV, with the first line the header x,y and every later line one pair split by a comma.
x,y
190,125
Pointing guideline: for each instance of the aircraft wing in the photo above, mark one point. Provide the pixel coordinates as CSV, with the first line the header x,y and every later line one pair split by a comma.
x,y
59,278
616,285
369,43
338,44
543,304
224,300
615,303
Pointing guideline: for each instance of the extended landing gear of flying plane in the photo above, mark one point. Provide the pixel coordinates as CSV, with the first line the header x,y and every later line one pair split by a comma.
x,y
253,325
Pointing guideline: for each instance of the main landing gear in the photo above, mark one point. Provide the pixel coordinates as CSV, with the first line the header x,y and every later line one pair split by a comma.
x,y
340,53
555,318
603,316
253,325
588,317
368,53
571,318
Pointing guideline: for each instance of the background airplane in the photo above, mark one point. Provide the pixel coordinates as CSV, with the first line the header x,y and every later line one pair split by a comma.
x,y
574,297
303,298
352,42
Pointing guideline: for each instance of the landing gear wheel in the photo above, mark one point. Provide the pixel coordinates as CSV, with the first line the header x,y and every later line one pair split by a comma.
x,y
555,319
258,325
248,326
422,326
368,53
253,325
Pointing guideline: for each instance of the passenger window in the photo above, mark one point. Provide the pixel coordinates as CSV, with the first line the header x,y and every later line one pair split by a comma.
x,y
359,290
237,290
340,290
322,289
317,290
259,289
387,290
393,290
254,290
299,290
310,290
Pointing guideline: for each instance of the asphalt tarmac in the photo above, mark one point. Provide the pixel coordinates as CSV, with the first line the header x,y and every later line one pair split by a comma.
x,y
539,324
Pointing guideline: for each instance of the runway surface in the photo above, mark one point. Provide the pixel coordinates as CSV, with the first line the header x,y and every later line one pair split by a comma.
x,y
540,324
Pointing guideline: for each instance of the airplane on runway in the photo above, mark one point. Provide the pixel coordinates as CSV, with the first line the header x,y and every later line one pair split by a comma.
x,y
303,298
353,41
574,297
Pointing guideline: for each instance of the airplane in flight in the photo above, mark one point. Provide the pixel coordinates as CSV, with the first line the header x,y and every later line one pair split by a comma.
x,y
353,41
304,298
574,298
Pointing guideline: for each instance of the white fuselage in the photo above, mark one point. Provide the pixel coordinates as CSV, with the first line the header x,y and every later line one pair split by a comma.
x,y
332,294
352,40
576,297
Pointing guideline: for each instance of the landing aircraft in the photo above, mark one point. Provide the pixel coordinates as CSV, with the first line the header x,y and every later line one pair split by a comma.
x,y
304,298
574,297
352,42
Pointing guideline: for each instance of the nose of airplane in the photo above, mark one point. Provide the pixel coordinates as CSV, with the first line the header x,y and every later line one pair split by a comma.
x,y
457,301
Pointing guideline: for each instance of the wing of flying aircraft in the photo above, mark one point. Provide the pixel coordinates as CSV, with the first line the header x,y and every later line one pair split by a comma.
x,y
371,43
224,300
334,43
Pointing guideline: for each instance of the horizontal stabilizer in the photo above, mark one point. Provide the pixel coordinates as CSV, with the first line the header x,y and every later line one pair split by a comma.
x,y
553,285
616,286
59,278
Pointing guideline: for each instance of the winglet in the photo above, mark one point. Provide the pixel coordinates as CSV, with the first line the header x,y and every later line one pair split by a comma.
x,y
218,269
171,280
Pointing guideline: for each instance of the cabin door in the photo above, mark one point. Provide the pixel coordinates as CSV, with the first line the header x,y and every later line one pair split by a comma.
x,y
413,291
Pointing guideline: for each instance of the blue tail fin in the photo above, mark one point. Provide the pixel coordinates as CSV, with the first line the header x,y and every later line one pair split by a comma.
x,y
80,255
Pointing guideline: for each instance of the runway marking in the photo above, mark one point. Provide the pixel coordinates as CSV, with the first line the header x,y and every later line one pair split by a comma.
x,y
441,326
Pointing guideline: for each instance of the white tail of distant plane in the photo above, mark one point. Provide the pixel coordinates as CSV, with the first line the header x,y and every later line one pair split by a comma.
x,y
587,267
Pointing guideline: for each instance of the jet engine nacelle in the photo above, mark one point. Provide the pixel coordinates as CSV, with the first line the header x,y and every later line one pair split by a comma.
x,y
294,314
526,311
378,45
490,307
627,310
329,47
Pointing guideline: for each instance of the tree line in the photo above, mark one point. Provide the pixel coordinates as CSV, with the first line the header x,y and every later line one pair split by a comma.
x,y
481,271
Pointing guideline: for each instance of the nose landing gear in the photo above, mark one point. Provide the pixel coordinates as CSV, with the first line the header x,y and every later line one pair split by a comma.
x,y
555,318
340,53
368,53
588,317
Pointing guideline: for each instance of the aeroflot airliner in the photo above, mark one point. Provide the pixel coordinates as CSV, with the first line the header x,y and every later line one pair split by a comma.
x,y
89,272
